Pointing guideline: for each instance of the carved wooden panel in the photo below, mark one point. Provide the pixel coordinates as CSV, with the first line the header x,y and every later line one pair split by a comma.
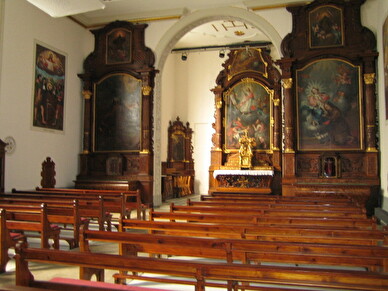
x,y
118,82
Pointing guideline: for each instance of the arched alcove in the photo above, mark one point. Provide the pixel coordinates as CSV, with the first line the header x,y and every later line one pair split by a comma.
x,y
167,43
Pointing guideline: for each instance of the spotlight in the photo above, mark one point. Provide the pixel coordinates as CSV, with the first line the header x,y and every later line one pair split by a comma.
x,y
184,57
222,54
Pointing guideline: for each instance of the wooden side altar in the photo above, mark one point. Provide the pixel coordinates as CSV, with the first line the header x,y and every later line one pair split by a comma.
x,y
118,82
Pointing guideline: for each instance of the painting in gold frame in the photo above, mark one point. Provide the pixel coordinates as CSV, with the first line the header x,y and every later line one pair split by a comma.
x,y
329,106
248,109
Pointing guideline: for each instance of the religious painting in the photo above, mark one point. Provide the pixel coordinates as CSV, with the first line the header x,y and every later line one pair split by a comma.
x,y
248,111
117,113
49,88
326,27
248,60
118,46
385,49
178,147
329,106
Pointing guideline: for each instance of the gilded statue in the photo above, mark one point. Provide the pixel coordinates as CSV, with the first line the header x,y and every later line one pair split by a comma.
x,y
245,151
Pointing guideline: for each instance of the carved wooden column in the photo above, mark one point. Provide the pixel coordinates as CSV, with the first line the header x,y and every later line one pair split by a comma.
x,y
370,116
216,151
277,114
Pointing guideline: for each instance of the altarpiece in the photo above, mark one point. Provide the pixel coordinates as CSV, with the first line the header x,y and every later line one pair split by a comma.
x,y
330,125
118,82
246,152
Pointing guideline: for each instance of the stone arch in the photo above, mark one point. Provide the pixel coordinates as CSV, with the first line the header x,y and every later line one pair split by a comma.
x,y
166,44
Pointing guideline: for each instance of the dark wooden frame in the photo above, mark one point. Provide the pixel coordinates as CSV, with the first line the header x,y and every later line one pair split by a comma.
x,y
124,167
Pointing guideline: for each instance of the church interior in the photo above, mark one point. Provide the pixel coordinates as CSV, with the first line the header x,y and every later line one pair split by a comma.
x,y
216,145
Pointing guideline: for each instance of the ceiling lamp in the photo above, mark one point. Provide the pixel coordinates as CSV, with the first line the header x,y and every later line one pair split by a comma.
x,y
184,57
60,8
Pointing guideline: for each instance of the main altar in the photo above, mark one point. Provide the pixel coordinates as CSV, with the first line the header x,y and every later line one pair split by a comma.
x,y
246,156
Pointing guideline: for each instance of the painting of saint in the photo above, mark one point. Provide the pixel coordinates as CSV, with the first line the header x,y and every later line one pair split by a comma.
x,y
385,48
248,109
119,46
49,88
329,106
117,113
326,26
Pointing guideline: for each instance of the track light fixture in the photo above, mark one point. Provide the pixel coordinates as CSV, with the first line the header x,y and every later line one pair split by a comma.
x,y
184,57
222,54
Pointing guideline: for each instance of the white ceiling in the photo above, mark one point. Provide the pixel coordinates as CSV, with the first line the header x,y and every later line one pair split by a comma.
x,y
215,33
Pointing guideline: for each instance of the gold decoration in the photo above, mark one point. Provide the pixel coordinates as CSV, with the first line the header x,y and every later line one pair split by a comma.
x,y
218,103
147,90
287,83
369,79
276,102
87,94
245,151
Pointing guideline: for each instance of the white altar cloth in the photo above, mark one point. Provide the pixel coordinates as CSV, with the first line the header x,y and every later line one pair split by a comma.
x,y
243,172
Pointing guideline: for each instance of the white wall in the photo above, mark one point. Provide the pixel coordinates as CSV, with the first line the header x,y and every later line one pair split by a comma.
x,y
23,24
382,13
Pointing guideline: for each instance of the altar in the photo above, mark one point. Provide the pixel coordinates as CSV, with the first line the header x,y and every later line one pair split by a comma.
x,y
243,181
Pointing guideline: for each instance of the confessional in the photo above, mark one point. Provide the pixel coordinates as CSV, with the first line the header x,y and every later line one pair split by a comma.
x,y
118,82
330,118
178,171
246,151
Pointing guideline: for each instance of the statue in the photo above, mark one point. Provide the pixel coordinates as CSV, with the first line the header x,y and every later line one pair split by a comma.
x,y
245,151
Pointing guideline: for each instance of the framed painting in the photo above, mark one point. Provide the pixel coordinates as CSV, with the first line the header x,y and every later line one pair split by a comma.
x,y
385,49
118,46
49,88
326,27
248,110
117,113
248,60
329,106
178,146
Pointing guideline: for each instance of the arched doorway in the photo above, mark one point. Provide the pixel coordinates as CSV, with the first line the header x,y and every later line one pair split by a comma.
x,y
167,43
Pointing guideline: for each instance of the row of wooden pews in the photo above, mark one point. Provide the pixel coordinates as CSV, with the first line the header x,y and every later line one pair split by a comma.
x,y
235,245
58,214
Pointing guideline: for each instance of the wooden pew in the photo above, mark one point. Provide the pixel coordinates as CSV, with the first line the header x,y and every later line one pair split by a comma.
x,y
92,208
317,200
240,250
7,240
33,219
133,197
226,275
113,200
286,233
62,212
260,211
343,222
275,204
